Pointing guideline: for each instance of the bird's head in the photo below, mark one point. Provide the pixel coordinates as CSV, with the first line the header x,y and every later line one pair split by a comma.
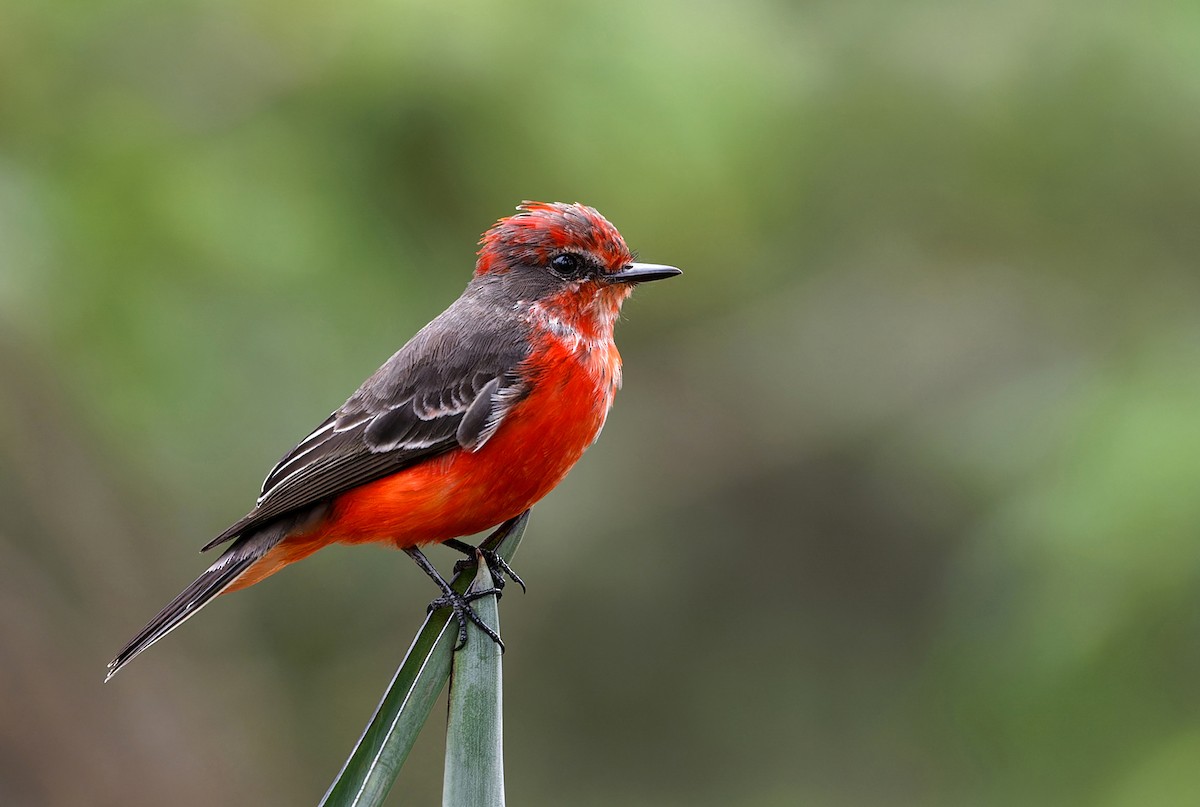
x,y
567,256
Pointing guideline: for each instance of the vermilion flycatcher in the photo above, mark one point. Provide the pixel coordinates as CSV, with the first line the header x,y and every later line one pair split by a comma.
x,y
468,425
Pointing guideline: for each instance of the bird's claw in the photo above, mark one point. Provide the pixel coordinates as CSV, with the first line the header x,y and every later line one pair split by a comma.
x,y
497,565
461,606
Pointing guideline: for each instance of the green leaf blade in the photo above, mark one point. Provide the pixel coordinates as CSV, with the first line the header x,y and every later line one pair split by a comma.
x,y
474,774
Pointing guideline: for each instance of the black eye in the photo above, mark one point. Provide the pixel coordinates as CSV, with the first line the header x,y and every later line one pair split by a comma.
x,y
567,264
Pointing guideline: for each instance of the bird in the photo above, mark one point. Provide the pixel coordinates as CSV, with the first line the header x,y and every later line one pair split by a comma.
x,y
475,419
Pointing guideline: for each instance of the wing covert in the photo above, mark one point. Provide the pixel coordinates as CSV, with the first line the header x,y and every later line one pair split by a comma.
x,y
410,409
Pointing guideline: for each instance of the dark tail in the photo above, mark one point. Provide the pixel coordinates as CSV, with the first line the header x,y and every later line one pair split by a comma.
x,y
233,562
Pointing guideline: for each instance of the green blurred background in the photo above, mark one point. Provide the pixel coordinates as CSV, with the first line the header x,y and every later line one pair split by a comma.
x,y
898,506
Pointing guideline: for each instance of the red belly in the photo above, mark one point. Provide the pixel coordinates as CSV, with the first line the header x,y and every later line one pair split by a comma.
x,y
461,493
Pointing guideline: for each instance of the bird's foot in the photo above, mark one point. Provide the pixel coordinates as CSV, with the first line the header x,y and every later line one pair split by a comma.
x,y
461,605
497,565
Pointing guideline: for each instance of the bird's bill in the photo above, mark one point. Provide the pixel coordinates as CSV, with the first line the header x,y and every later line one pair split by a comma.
x,y
642,273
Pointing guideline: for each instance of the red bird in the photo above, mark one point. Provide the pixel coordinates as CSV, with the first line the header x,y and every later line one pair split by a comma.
x,y
468,425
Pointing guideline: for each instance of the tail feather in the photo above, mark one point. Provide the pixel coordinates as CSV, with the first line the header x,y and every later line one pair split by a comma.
x,y
232,564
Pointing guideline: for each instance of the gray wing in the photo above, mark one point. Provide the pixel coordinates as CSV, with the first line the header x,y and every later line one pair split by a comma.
x,y
449,387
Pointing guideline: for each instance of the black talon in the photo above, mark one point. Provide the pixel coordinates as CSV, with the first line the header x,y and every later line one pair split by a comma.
x,y
497,565
459,603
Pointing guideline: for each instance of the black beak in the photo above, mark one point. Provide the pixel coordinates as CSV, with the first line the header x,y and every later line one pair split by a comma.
x,y
642,273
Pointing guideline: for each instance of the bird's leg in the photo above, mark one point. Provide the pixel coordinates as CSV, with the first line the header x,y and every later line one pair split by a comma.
x,y
497,565
460,603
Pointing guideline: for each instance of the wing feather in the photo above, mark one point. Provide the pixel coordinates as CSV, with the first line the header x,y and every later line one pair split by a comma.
x,y
450,386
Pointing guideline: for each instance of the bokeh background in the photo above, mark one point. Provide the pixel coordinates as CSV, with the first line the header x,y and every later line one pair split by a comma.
x,y
898,506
